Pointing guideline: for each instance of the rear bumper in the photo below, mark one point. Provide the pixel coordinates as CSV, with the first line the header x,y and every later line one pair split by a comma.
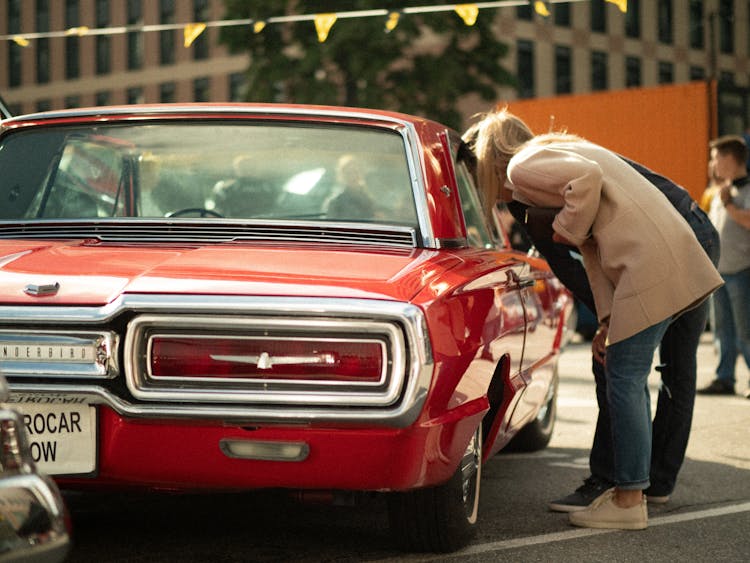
x,y
181,455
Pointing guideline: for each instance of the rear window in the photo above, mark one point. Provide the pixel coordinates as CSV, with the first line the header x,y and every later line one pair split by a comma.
x,y
207,170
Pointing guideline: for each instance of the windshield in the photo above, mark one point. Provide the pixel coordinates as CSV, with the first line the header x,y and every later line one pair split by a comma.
x,y
207,170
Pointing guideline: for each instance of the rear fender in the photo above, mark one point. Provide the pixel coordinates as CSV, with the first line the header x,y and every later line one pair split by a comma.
x,y
502,394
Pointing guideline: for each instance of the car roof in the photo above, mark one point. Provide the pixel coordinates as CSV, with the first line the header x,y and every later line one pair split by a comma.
x,y
227,109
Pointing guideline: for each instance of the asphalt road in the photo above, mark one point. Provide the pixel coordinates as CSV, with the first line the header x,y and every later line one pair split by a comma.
x,y
707,519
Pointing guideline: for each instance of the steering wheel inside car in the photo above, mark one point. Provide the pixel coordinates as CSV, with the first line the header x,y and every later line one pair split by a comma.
x,y
200,211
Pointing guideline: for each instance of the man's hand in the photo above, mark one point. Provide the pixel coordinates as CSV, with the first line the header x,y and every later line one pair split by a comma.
x,y
725,193
599,344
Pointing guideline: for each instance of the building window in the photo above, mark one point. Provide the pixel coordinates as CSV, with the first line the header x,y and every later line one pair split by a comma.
x,y
14,65
201,89
726,27
525,68
562,15
726,78
201,13
599,80
15,109
524,12
135,38
42,60
103,42
72,102
666,72
166,37
43,105
42,44
103,98
696,24
664,22
14,50
563,70
168,92
72,43
134,95
237,87
697,73
632,72
633,19
598,16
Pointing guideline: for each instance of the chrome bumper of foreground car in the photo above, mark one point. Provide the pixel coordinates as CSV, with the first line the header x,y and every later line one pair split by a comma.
x,y
33,524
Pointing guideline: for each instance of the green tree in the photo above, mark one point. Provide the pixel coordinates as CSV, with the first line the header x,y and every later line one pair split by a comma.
x,y
421,67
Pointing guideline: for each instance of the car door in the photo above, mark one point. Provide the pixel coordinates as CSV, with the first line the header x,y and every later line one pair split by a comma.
x,y
507,327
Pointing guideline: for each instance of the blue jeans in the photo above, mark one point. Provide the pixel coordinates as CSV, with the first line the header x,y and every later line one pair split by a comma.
x,y
674,408
627,370
731,318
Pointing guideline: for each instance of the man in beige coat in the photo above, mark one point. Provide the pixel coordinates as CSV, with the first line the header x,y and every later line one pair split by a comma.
x,y
644,264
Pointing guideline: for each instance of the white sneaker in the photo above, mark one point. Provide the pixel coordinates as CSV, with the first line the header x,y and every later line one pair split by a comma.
x,y
604,513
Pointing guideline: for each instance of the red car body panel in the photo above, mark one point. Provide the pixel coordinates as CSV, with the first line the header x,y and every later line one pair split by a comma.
x,y
481,324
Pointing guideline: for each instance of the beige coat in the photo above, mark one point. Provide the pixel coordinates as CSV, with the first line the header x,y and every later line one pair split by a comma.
x,y
642,259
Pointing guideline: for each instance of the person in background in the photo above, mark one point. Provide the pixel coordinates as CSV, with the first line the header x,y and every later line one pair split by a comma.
x,y
730,213
644,267
350,199
712,189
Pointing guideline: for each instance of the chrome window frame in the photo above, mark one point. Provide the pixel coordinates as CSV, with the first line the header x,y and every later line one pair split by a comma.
x,y
403,127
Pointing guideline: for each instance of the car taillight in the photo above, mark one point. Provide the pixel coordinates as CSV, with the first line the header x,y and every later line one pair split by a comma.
x,y
317,359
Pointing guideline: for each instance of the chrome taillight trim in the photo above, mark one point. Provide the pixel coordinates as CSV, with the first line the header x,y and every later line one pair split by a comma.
x,y
144,386
401,414
266,359
58,353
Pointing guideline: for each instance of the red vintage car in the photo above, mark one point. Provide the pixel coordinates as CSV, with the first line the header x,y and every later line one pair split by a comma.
x,y
250,296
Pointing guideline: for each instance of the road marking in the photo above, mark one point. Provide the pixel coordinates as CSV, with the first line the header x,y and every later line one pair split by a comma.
x,y
578,533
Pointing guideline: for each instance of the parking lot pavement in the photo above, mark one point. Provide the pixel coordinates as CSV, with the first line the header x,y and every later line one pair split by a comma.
x,y
720,423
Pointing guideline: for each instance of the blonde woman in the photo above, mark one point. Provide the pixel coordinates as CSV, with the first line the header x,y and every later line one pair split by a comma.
x,y
644,264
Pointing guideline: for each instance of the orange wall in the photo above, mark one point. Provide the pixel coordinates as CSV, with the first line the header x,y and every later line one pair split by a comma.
x,y
666,128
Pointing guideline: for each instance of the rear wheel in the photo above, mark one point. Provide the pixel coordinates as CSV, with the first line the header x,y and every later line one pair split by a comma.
x,y
441,518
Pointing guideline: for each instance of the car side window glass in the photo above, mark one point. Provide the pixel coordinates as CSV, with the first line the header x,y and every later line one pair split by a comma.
x,y
477,232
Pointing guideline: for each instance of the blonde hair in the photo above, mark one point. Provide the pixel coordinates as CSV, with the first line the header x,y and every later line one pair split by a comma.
x,y
495,139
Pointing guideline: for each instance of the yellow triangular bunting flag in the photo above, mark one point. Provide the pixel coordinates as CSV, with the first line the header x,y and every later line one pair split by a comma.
x,y
468,13
79,31
258,26
323,24
392,21
622,4
192,31
541,8
20,40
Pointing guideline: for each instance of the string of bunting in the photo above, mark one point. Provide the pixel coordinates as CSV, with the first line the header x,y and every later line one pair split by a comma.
x,y
323,22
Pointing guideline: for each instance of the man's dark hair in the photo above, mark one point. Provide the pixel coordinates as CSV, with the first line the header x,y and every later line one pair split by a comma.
x,y
731,144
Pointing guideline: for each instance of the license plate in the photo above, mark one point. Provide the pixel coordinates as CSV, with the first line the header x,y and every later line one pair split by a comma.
x,y
62,436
